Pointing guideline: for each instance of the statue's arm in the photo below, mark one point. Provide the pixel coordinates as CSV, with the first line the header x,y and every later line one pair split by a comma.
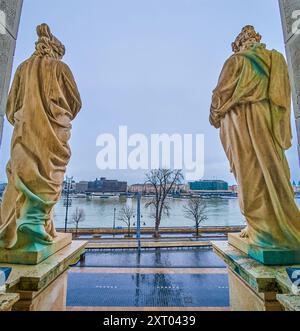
x,y
222,95
13,102
70,89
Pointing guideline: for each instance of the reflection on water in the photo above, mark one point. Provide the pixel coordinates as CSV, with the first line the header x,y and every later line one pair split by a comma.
x,y
162,287
100,213
147,290
153,258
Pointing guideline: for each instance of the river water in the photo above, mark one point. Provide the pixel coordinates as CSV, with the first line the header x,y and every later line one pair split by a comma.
x,y
100,213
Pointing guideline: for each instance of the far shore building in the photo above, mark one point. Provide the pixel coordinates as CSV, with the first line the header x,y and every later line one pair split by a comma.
x,y
104,185
141,188
149,189
209,185
81,187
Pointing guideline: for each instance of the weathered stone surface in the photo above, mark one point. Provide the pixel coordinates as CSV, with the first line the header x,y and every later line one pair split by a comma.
x,y
289,302
292,41
293,51
287,8
12,11
7,301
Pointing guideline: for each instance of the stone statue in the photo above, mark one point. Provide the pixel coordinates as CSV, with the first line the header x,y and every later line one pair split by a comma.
x,y
43,101
252,108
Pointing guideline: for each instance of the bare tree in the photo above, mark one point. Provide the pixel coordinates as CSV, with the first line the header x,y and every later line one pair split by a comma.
x,y
196,209
78,217
163,181
126,214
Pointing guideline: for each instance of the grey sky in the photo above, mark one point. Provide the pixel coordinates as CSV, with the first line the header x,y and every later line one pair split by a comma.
x,y
147,64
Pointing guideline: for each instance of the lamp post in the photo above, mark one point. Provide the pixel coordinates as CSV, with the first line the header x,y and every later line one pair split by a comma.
x,y
114,224
138,223
68,200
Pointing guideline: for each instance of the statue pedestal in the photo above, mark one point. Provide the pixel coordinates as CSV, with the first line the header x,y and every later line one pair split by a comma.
x,y
272,257
33,254
43,287
253,286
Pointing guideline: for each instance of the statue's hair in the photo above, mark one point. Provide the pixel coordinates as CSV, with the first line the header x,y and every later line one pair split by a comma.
x,y
48,45
248,33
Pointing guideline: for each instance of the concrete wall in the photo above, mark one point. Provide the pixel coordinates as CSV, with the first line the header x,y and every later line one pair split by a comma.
x,y
292,42
11,11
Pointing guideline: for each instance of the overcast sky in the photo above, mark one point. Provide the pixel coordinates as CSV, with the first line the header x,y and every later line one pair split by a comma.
x,y
147,64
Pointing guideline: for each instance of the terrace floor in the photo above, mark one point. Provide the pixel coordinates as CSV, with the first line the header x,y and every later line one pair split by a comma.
x,y
154,280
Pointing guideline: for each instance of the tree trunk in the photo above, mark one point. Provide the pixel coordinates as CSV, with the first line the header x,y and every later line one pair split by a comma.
x,y
158,221
76,233
129,231
157,224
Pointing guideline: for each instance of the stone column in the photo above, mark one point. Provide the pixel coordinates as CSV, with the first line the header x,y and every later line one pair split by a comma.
x,y
290,14
10,12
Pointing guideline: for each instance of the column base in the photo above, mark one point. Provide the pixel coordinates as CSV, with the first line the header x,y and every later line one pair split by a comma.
x,y
253,286
51,298
244,298
43,287
271,257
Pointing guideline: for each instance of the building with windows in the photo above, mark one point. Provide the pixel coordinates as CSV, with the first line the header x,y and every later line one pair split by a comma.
x,y
104,185
209,185
150,189
142,188
81,187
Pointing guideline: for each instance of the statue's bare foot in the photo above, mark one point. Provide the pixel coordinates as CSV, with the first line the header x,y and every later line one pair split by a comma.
x,y
36,233
244,234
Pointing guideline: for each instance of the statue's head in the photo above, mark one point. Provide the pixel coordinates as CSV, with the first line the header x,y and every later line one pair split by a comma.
x,y
48,45
246,37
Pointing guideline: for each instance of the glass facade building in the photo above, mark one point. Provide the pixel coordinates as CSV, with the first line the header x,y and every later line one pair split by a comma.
x,y
209,185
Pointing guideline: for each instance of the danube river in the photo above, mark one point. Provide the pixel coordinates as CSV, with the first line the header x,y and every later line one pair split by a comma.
x,y
100,213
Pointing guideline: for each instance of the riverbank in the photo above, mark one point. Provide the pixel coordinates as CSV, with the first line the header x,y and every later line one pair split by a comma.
x,y
150,230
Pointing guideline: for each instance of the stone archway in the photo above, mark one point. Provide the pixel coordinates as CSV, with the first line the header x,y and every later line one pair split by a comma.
x,y
12,11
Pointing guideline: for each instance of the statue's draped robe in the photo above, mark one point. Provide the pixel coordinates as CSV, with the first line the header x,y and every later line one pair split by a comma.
x,y
251,106
43,101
